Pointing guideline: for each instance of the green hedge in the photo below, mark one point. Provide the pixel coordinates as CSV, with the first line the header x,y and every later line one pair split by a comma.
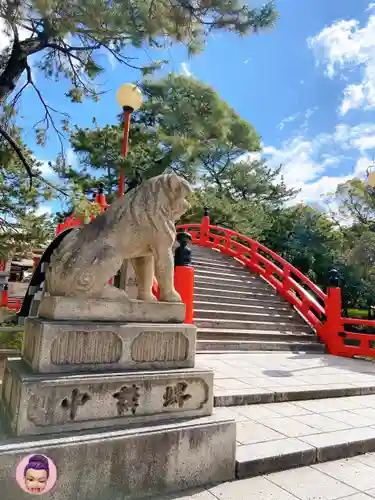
x,y
358,313
11,340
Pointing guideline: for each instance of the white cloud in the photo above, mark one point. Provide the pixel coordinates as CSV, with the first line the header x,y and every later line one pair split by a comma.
x,y
309,112
306,115
305,162
249,157
296,157
346,45
288,119
361,137
185,69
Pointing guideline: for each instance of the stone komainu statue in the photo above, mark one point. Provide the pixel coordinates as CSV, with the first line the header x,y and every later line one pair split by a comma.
x,y
139,226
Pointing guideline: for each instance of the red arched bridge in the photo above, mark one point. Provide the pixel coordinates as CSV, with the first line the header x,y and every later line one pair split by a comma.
x,y
321,311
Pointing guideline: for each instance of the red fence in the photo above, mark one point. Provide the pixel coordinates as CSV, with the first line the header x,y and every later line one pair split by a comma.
x,y
14,303
70,222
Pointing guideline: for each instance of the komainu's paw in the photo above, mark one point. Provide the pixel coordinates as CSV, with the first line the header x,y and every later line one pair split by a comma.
x,y
172,296
147,297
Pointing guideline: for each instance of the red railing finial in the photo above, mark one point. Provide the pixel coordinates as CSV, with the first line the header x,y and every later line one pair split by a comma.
x,y
205,225
100,198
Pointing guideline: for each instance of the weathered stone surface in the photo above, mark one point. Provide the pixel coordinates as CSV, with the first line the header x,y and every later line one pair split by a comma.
x,y
58,346
128,464
80,309
40,404
139,227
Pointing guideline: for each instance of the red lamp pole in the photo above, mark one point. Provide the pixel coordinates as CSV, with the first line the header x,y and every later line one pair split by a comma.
x,y
125,141
129,97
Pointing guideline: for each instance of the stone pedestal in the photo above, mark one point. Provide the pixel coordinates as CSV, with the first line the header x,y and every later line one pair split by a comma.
x,y
58,346
121,399
45,404
127,464
82,309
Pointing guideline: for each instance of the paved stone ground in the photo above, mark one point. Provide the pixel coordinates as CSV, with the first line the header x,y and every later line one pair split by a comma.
x,y
347,479
278,436
294,409
266,373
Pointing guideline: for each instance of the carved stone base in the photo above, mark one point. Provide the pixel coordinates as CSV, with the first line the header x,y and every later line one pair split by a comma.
x,y
83,309
62,346
128,464
40,404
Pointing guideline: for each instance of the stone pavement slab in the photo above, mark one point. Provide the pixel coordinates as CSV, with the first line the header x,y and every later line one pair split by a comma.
x,y
258,377
348,479
278,436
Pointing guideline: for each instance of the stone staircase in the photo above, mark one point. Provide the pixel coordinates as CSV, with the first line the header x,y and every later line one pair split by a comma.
x,y
237,310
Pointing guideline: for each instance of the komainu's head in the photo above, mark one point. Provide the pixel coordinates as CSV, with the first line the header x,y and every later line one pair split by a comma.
x,y
170,192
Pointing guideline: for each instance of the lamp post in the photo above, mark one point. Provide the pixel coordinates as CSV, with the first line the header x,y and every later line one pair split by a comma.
x,y
129,97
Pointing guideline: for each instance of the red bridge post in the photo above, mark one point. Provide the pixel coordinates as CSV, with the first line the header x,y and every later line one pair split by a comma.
x,y
333,309
205,226
4,296
184,275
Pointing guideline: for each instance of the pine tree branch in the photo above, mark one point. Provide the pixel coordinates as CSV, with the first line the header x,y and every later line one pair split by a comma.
x,y
18,152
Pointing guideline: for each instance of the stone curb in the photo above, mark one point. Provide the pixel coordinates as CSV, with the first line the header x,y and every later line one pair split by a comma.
x,y
5,353
242,398
273,456
216,347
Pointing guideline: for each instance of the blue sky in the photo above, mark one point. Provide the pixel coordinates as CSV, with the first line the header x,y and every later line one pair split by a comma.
x,y
308,87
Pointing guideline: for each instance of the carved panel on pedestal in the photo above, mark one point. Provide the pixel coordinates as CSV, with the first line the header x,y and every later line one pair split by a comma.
x,y
160,346
108,401
85,347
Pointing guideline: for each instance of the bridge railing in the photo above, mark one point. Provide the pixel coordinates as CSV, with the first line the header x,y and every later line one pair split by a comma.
x,y
323,311
337,334
287,280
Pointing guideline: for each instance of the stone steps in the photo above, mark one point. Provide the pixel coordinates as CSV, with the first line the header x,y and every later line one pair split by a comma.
x,y
288,426
237,310
251,324
238,304
232,335
218,265
208,296
283,435
231,285
244,294
218,345
268,316
225,273
288,453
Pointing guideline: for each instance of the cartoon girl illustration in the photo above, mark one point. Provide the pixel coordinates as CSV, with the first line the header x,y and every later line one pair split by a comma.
x,y
36,474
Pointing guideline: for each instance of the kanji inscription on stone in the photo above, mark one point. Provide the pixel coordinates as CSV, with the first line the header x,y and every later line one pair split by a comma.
x,y
176,395
127,399
76,400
